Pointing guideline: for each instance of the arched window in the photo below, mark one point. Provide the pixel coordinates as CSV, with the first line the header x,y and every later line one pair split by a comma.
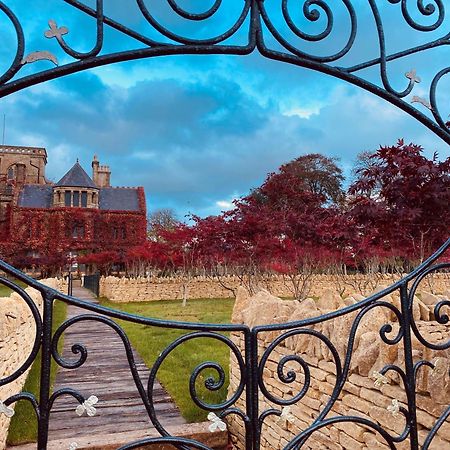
x,y
16,172
11,173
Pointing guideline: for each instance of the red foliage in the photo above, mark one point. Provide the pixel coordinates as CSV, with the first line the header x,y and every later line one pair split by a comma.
x,y
46,237
401,203
296,222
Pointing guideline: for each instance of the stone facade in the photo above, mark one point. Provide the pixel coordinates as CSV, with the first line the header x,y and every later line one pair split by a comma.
x,y
150,289
360,396
17,334
101,175
79,215
23,164
18,166
59,196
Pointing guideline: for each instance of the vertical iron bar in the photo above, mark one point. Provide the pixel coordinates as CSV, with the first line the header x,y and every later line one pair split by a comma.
x,y
252,390
410,387
70,285
97,285
44,392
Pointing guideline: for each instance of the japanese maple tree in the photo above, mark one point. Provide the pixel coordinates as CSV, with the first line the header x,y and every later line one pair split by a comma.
x,y
400,202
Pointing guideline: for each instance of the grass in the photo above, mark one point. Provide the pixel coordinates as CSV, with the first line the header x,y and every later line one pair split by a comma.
x,y
6,291
23,428
175,372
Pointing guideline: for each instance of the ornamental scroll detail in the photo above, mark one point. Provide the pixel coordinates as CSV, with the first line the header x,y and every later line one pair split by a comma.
x,y
322,35
253,349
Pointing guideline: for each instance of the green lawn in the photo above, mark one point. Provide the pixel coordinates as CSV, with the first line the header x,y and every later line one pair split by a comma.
x,y
175,372
23,426
6,291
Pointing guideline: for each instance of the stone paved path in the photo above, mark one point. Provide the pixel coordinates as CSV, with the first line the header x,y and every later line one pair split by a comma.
x,y
105,374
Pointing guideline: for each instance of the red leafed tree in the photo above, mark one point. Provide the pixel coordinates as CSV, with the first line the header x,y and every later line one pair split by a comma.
x,y
147,259
296,223
288,222
400,203
103,261
178,245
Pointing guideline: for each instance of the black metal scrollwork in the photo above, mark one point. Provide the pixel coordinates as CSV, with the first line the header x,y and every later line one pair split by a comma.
x,y
312,14
251,366
261,20
58,33
426,10
279,31
37,338
341,372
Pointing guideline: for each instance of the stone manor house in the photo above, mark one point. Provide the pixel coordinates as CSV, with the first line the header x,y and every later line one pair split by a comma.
x,y
78,215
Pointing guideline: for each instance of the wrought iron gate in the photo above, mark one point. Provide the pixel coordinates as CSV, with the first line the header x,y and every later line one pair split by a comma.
x,y
92,282
262,35
251,363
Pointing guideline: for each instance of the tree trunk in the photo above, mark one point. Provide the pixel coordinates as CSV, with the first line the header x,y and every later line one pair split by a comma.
x,y
185,294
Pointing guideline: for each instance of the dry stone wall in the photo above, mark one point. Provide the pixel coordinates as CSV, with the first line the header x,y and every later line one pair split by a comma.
x,y
17,334
361,396
150,289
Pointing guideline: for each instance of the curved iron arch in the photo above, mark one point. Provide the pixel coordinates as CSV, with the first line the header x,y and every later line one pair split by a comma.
x,y
260,29
254,17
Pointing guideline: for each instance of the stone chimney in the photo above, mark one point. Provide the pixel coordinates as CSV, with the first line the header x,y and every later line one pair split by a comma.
x,y
101,175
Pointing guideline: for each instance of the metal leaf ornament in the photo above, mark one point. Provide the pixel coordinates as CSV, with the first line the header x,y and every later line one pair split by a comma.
x,y
422,101
88,407
394,408
6,410
40,56
217,423
412,75
379,378
286,415
55,31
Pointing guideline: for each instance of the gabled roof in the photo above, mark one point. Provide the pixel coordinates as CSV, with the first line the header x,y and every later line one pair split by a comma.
x,y
119,199
112,199
76,177
36,196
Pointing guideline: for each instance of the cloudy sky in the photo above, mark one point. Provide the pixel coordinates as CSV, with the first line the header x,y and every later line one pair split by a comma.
x,y
199,131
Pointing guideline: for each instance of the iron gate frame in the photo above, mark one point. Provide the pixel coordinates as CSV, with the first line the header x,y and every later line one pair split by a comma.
x,y
256,17
92,282
250,362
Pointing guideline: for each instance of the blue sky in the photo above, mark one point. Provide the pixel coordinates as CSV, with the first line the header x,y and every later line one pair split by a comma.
x,y
199,131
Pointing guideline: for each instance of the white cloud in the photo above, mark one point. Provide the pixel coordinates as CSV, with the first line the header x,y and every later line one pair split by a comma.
x,y
304,113
224,204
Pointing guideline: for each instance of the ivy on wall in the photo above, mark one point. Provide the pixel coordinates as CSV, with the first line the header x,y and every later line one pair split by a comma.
x,y
46,237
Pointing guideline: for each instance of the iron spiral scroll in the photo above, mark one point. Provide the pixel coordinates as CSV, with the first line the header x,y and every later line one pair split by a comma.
x,y
289,31
251,361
